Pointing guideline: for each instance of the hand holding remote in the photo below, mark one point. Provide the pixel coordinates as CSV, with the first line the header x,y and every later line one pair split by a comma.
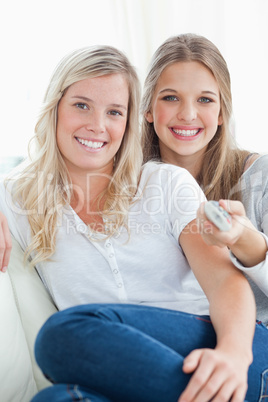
x,y
217,215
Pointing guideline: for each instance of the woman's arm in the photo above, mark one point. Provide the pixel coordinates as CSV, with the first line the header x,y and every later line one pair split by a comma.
x,y
222,371
248,246
243,239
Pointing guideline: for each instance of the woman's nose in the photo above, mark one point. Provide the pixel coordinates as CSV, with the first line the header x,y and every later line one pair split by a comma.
x,y
187,112
96,123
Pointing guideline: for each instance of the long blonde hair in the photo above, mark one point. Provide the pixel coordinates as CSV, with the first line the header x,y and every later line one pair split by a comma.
x,y
44,186
223,162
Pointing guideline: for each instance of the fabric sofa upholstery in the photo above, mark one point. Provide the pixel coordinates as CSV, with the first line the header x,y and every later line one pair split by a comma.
x,y
24,307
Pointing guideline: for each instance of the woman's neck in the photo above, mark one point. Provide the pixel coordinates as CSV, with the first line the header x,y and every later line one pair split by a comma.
x,y
192,163
87,189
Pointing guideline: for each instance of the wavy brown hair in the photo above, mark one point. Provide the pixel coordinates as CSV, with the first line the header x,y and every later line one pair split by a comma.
x,y
223,161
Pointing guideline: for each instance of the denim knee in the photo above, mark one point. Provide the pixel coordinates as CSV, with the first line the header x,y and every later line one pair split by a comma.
x,y
68,393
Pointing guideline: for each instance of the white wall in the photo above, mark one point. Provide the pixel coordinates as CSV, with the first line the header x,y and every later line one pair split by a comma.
x,y
36,34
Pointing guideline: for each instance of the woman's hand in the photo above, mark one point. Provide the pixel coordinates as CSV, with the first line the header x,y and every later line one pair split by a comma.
x,y
219,375
213,236
5,243
243,239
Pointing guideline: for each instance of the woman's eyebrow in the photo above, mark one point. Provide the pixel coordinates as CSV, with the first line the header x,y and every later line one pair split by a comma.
x,y
119,106
168,90
90,100
174,91
209,92
82,98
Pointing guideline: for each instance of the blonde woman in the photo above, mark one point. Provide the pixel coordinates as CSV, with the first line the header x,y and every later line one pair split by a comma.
x,y
118,250
187,108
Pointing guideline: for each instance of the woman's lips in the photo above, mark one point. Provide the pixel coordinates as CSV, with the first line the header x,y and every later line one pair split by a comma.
x,y
91,145
186,134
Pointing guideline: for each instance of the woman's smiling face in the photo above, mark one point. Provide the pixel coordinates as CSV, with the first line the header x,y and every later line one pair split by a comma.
x,y
92,118
185,110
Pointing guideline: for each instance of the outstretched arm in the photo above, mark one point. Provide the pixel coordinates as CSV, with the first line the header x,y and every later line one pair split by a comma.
x,y
243,239
247,244
221,372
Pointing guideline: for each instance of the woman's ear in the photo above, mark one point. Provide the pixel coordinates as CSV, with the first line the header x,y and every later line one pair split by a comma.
x,y
220,120
149,117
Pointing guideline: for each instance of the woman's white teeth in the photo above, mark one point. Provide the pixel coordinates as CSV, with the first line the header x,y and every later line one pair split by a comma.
x,y
186,133
90,144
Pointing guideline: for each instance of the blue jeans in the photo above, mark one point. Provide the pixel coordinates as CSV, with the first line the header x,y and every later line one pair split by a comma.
x,y
129,353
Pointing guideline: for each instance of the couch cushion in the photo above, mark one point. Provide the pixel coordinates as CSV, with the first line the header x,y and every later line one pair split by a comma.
x,y
34,306
17,380
24,306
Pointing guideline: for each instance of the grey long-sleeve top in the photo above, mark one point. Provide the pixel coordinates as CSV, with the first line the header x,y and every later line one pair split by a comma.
x,y
254,187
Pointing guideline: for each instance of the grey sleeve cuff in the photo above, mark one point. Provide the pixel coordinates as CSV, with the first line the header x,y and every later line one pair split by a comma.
x,y
258,273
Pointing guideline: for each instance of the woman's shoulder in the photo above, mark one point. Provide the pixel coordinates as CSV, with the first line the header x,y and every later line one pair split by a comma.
x,y
5,189
159,168
167,176
256,163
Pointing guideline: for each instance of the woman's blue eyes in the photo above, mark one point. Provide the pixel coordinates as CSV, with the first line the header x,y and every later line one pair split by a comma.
x,y
115,113
172,98
83,106
204,100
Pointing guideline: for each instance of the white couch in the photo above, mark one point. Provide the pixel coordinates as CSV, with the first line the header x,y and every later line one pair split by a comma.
x,y
24,307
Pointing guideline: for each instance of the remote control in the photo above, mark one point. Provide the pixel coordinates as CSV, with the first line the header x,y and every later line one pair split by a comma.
x,y
217,215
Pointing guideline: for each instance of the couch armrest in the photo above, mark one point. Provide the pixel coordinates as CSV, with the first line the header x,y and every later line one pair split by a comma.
x,y
16,371
33,302
31,306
